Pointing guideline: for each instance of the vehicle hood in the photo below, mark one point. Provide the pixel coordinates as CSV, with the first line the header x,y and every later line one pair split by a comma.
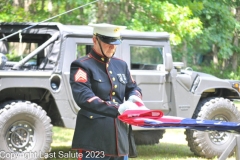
x,y
208,81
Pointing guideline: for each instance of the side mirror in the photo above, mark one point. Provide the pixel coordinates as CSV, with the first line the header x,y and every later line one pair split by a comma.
x,y
178,66
168,62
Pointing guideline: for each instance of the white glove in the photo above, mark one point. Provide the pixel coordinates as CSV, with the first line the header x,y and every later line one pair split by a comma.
x,y
124,106
138,102
127,105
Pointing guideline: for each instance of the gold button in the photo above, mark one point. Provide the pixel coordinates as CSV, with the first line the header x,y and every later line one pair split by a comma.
x,y
113,100
115,86
113,93
102,59
113,79
91,117
107,65
110,72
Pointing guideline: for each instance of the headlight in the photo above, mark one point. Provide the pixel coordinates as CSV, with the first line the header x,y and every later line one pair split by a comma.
x,y
236,86
195,84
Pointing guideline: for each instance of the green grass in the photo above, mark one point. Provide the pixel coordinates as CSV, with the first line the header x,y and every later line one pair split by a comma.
x,y
173,146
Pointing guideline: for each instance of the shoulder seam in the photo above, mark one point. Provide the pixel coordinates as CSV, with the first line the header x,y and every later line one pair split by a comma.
x,y
84,59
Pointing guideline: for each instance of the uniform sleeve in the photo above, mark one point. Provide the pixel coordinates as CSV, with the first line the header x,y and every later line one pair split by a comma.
x,y
84,96
131,87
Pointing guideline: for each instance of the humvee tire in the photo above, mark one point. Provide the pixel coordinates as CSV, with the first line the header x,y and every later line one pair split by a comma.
x,y
149,137
212,144
24,127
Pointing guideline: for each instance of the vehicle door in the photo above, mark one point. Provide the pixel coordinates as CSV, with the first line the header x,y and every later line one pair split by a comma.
x,y
146,63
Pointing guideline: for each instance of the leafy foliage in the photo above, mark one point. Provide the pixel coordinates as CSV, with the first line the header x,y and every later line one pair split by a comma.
x,y
198,28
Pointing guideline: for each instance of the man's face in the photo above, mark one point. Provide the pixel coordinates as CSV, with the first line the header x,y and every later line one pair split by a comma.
x,y
108,49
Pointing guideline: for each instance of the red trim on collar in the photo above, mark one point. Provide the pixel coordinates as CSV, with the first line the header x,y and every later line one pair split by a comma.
x,y
97,53
96,58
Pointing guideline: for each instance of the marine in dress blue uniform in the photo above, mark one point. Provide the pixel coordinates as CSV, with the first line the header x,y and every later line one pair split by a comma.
x,y
100,84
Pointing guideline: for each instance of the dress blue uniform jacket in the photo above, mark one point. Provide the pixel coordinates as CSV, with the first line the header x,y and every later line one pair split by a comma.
x,y
99,86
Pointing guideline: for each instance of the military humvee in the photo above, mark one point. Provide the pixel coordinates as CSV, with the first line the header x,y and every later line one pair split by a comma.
x,y
35,93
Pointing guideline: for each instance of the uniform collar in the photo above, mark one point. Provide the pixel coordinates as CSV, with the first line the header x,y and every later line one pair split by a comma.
x,y
99,57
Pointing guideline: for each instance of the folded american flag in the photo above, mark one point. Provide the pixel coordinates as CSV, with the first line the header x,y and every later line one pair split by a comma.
x,y
156,119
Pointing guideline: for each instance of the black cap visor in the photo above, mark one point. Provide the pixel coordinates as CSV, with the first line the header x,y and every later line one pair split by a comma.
x,y
109,40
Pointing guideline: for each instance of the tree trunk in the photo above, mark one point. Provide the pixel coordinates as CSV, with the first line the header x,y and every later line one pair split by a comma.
x,y
215,55
235,42
100,12
184,51
50,6
235,61
27,3
42,6
16,3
